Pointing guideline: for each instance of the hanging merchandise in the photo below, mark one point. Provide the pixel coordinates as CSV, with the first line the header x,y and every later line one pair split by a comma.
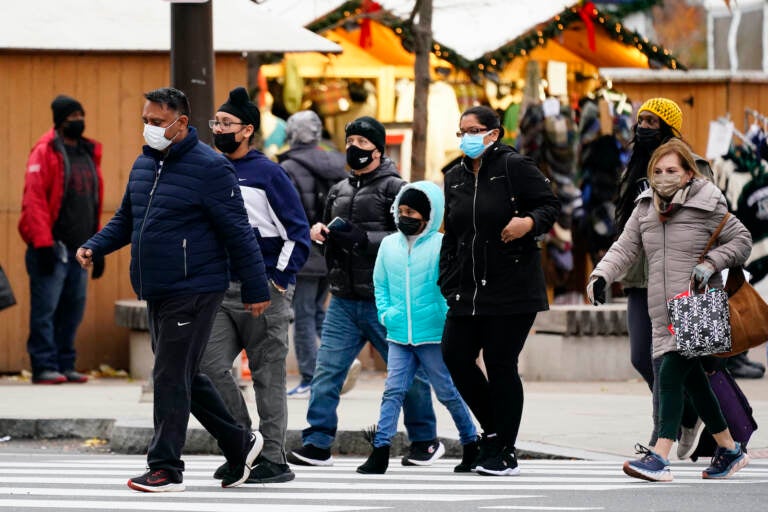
x,y
293,86
330,97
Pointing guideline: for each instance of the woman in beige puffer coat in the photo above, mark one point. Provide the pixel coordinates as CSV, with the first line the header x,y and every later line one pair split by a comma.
x,y
672,223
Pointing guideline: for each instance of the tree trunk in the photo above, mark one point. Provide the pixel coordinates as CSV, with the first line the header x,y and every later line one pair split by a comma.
x,y
423,37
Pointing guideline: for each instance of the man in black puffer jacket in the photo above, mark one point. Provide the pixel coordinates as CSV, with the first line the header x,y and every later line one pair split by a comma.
x,y
184,216
357,217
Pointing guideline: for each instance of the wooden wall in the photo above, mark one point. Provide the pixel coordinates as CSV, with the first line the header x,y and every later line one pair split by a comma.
x,y
712,98
110,87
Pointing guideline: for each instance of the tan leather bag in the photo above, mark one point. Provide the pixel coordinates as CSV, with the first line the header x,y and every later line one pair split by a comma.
x,y
749,312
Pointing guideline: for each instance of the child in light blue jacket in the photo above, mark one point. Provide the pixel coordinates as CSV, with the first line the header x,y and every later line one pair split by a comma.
x,y
411,307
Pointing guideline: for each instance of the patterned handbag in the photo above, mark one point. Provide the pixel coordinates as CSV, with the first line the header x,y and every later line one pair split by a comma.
x,y
701,322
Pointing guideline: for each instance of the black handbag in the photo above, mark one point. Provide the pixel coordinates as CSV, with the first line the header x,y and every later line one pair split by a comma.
x,y
7,298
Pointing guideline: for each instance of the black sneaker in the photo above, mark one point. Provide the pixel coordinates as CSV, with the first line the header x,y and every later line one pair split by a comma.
x,y
157,480
267,472
726,462
486,447
423,453
311,455
469,453
221,471
502,463
240,473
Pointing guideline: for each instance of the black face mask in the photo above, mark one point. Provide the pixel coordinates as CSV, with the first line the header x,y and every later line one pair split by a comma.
x,y
648,138
225,142
359,158
408,225
73,129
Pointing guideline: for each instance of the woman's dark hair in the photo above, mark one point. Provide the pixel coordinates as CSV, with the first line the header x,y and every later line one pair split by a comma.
x,y
633,179
174,99
487,117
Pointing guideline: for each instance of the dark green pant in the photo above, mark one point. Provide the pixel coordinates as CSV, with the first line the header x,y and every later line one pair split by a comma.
x,y
678,376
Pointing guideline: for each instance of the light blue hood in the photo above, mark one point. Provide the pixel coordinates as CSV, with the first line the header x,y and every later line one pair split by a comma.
x,y
436,202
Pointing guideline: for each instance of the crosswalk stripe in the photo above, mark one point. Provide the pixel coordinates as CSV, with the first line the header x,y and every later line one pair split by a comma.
x,y
257,493
171,506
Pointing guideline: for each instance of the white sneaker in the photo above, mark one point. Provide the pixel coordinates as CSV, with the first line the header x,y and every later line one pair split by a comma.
x,y
689,440
352,375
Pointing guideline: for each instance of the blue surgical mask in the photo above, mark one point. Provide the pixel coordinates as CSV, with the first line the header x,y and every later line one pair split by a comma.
x,y
472,145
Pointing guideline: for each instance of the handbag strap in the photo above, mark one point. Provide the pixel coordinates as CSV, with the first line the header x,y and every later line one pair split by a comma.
x,y
714,236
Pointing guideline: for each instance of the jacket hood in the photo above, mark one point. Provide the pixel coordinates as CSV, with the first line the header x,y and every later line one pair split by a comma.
x,y
252,155
322,163
436,204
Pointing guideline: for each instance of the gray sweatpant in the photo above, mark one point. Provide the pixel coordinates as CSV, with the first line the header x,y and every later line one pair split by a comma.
x,y
265,340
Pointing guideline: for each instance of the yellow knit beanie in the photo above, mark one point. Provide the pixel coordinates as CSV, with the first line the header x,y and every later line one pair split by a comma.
x,y
666,109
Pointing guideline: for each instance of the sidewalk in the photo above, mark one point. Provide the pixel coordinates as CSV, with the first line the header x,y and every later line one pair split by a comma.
x,y
585,420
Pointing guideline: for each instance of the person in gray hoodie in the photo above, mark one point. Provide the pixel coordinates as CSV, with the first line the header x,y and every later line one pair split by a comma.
x,y
313,170
671,225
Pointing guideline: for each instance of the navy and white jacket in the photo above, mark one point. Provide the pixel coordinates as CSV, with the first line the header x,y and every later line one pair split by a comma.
x,y
183,215
276,215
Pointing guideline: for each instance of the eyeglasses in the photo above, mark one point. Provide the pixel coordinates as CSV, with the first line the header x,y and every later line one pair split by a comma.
x,y
473,131
213,123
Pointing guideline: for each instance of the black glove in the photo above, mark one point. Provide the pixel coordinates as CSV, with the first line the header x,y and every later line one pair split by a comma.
x,y
46,260
98,266
352,238
596,291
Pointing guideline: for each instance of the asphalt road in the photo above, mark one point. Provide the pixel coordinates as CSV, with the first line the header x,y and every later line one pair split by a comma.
x,y
36,479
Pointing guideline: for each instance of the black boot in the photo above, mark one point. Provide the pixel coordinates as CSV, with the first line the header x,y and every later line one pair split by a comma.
x,y
741,369
377,463
470,451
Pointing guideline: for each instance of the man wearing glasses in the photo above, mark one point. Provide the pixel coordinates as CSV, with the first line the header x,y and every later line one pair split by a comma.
x,y
277,218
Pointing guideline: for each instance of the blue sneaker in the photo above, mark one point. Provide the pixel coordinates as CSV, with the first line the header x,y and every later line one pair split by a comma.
x,y
300,391
652,466
726,462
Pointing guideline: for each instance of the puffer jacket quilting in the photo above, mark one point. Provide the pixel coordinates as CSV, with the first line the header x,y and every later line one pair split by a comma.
x,y
408,299
366,201
185,219
673,248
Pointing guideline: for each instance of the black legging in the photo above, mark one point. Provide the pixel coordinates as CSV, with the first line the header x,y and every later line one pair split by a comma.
x,y
496,401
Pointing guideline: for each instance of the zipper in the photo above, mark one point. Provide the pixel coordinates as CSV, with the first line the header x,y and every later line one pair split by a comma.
x,y
484,280
474,239
408,294
143,224
666,294
184,247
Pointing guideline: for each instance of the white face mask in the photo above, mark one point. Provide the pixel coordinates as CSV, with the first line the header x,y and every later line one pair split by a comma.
x,y
154,136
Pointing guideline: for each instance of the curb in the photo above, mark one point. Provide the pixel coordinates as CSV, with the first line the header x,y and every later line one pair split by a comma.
x,y
133,437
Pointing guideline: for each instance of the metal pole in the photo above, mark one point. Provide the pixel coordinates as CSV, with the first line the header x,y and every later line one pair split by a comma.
x,y
192,60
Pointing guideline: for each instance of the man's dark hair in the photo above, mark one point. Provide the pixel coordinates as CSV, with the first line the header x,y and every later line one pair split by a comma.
x,y
172,98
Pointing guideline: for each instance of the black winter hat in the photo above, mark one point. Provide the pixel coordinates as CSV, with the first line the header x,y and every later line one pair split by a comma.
x,y
369,128
239,104
62,106
417,200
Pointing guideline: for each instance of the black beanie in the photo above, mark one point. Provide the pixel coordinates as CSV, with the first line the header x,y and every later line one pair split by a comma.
x,y
369,128
239,104
417,200
62,106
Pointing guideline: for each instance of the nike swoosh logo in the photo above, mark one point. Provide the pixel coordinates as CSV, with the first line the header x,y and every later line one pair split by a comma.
x,y
155,481
242,179
182,324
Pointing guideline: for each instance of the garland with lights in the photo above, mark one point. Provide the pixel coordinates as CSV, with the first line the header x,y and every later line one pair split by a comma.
x,y
352,11
537,37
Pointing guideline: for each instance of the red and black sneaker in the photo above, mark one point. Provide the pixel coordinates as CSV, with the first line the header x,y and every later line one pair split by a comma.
x,y
157,480
48,377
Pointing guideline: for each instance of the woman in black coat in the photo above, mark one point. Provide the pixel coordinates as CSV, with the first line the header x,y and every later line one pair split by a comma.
x,y
497,203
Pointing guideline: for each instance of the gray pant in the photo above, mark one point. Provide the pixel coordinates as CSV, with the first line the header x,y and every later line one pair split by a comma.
x,y
265,340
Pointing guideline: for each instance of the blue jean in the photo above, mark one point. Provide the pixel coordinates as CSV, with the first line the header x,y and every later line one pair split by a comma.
x,y
309,311
57,304
348,325
402,363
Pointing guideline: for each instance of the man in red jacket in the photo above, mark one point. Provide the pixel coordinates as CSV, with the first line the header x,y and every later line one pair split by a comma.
x,y
60,210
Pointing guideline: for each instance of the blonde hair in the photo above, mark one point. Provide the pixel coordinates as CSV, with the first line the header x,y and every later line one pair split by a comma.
x,y
683,152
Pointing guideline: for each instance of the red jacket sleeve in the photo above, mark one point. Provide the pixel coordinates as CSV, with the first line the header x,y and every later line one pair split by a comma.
x,y
36,223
